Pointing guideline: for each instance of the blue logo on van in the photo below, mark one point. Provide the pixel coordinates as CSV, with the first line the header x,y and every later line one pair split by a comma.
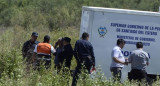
x,y
102,31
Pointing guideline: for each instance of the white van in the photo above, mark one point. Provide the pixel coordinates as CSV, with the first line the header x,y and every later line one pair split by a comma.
x,y
106,25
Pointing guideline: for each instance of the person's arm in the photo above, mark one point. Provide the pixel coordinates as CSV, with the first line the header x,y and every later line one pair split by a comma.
x,y
24,50
130,58
53,50
117,61
75,52
92,55
147,59
115,57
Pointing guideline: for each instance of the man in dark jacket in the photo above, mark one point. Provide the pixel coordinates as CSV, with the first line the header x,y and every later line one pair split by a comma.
x,y
84,55
28,47
28,50
67,52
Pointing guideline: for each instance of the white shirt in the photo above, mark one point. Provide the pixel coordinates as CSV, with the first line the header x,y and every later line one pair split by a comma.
x,y
52,50
117,53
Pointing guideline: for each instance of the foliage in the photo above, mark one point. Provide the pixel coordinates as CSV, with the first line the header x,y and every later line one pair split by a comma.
x,y
55,14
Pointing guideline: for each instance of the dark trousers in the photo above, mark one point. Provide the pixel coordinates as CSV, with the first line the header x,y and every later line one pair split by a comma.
x,y
45,63
43,60
65,68
116,73
59,66
85,64
138,75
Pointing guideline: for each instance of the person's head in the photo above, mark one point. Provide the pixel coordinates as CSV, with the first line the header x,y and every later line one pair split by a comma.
x,y
66,40
46,39
85,36
60,42
139,45
121,43
34,36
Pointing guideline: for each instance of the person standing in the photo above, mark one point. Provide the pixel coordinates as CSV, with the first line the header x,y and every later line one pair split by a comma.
x,y
118,60
28,48
84,55
42,53
139,60
67,52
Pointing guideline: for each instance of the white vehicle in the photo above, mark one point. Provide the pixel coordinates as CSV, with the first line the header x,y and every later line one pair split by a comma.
x,y
106,25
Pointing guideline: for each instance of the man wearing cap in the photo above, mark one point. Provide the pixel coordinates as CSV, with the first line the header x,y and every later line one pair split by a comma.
x,y
42,53
28,48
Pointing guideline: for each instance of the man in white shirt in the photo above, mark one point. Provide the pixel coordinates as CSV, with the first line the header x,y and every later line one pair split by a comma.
x,y
118,60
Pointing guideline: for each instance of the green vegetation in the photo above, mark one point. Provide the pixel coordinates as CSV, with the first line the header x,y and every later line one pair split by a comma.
x,y
12,69
57,14
58,18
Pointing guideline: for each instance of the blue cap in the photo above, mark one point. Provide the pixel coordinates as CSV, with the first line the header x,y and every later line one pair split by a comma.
x,y
34,34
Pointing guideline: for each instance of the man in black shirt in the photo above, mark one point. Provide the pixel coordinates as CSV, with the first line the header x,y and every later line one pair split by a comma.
x,y
84,55
28,47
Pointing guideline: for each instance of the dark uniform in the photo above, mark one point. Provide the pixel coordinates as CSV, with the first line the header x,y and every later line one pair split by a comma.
x,y
67,54
28,50
84,55
64,55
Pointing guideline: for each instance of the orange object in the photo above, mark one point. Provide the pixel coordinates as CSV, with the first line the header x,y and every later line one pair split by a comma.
x,y
44,48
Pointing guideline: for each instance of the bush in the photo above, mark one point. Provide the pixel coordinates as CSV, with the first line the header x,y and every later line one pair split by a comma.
x,y
55,14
